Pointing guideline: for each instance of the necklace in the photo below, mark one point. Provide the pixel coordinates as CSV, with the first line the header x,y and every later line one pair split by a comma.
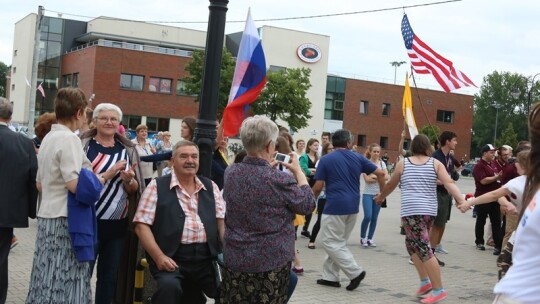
x,y
105,143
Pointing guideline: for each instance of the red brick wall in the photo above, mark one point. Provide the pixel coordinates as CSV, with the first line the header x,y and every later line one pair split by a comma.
x,y
374,125
99,71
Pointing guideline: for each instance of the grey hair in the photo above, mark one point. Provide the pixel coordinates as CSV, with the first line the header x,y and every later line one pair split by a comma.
x,y
257,131
183,143
107,107
6,108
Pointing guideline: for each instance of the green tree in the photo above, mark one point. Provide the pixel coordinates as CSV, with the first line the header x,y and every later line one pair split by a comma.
x,y
284,97
194,80
431,131
508,137
497,89
4,70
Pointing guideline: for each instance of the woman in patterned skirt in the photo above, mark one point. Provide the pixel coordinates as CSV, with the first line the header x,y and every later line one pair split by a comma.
x,y
418,175
57,275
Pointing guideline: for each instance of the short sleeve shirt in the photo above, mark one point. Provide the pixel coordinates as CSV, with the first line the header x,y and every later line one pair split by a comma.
x,y
481,170
60,160
341,170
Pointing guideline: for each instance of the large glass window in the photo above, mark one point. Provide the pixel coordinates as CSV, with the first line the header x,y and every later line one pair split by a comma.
x,y
131,82
335,96
131,121
445,116
157,124
161,85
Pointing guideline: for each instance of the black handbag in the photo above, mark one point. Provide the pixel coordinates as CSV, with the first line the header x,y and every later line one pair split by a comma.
x,y
383,204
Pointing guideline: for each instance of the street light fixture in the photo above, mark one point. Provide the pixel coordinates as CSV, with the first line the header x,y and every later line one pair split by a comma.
x,y
395,64
529,87
497,106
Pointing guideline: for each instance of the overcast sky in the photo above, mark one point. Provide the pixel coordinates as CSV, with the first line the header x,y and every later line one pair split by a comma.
x,y
479,36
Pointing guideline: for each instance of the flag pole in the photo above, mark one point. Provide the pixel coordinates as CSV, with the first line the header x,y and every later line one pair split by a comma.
x,y
422,106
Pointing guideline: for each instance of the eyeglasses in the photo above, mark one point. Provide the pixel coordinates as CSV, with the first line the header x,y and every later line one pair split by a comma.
x,y
104,119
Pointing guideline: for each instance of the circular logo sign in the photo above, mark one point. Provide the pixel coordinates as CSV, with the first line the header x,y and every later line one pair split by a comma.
x,y
309,52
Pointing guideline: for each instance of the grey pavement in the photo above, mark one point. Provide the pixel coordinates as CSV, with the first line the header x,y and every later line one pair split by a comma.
x,y
469,274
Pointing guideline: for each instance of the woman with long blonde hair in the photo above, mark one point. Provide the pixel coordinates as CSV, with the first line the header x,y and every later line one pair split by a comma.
x,y
371,209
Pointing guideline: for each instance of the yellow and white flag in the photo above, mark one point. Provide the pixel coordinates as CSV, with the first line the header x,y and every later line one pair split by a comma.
x,y
407,109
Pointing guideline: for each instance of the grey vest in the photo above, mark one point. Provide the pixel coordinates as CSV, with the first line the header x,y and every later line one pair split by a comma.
x,y
170,218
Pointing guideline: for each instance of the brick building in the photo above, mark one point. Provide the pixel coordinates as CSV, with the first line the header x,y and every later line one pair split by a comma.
x,y
373,112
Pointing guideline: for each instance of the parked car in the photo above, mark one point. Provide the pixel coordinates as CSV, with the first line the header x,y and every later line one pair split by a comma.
x,y
467,169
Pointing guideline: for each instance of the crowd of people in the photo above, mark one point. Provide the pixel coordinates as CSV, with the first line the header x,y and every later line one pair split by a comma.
x,y
99,196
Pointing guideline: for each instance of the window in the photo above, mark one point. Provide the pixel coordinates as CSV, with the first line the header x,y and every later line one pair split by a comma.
x,y
383,142
161,85
181,87
157,124
445,116
361,140
385,109
131,121
131,82
364,107
13,87
75,82
14,70
407,144
67,80
14,53
335,96
275,68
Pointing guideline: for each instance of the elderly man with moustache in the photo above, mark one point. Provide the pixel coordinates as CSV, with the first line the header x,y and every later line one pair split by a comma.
x,y
180,224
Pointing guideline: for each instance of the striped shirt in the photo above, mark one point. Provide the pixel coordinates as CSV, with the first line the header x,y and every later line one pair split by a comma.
x,y
113,202
418,189
193,226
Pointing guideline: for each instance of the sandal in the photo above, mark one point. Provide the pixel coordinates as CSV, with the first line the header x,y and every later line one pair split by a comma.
x,y
311,246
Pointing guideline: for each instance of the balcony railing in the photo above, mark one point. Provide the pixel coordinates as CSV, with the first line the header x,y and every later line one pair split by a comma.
x,y
133,46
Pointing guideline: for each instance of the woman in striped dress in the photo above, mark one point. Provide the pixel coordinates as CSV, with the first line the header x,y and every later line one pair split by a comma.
x,y
418,175
57,276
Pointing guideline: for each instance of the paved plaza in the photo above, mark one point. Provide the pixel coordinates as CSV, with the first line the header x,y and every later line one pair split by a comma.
x,y
469,275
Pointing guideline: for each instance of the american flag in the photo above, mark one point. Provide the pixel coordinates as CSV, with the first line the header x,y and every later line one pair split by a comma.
x,y
41,90
425,60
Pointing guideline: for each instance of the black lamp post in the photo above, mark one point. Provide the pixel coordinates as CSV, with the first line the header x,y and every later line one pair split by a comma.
x,y
529,88
205,132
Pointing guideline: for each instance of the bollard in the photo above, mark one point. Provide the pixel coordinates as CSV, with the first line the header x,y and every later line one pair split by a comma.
x,y
139,281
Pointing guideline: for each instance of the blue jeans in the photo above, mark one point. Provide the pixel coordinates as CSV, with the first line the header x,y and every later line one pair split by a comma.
x,y
109,253
371,213
293,280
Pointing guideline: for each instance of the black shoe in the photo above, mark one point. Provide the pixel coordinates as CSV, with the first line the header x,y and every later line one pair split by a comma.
x,y
306,233
496,251
441,263
356,281
328,283
480,247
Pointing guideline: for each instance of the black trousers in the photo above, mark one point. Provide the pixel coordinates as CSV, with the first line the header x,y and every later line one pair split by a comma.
x,y
5,245
191,281
482,211
315,231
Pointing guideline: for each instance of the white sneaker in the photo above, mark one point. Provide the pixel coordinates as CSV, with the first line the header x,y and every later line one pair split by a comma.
x,y
371,243
439,249
364,243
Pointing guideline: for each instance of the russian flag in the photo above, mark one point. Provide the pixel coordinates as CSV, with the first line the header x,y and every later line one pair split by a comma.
x,y
248,81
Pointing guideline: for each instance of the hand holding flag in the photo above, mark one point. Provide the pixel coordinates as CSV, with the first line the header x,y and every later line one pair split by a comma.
x,y
248,80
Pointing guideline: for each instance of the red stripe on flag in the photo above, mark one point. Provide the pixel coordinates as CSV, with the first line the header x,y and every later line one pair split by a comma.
x,y
233,115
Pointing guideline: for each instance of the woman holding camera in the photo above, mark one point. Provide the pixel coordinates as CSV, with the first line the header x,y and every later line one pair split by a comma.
x,y
259,235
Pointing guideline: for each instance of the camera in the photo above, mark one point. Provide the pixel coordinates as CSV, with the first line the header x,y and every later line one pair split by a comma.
x,y
282,158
